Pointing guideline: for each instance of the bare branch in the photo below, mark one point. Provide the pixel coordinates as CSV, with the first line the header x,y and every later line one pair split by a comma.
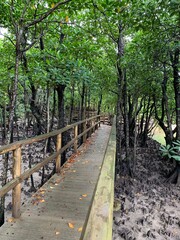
x,y
110,28
9,39
45,15
32,44
25,8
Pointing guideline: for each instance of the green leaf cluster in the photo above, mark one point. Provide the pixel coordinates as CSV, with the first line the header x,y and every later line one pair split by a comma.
x,y
171,151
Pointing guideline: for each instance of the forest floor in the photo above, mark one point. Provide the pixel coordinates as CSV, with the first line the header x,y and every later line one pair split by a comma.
x,y
146,207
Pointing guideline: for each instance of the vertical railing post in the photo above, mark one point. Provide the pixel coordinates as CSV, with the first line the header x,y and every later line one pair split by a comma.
x,y
93,129
58,147
99,118
84,129
75,136
96,121
16,193
91,124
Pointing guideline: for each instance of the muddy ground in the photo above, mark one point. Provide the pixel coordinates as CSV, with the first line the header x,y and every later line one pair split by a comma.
x,y
146,207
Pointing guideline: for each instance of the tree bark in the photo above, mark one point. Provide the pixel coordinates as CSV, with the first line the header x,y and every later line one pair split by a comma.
x,y
60,88
175,62
99,104
121,165
72,103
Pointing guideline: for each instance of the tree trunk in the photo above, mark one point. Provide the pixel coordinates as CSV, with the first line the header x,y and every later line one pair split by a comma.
x,y
166,127
47,130
175,62
126,123
119,112
60,88
72,103
135,141
9,136
175,175
82,112
99,104
36,111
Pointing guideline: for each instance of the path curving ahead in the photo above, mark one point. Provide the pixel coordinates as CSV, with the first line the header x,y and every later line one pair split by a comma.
x,y
60,208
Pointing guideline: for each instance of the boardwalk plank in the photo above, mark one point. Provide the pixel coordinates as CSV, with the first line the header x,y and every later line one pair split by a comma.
x,y
64,199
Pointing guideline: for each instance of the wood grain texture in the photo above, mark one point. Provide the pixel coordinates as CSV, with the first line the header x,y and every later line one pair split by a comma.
x,y
100,219
13,183
64,199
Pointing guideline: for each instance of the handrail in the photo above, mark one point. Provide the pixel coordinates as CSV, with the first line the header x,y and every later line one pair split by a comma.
x,y
15,184
99,221
15,145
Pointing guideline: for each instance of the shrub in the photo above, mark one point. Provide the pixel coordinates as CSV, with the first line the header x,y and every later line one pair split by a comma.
x,y
171,151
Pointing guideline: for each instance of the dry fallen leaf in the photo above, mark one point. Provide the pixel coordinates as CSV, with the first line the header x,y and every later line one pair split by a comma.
x,y
71,225
11,219
57,233
80,229
41,200
84,195
58,180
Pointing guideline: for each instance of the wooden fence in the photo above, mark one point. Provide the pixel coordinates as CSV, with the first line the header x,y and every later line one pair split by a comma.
x,y
89,125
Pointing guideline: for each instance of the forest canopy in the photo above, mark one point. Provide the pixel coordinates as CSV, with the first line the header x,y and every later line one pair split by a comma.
x,y
114,57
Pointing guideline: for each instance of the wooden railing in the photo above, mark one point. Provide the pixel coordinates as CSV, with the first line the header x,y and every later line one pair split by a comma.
x,y
99,221
18,177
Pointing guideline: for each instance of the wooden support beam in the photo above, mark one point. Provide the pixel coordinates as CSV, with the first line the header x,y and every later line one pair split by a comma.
x,y
85,134
58,147
76,139
16,194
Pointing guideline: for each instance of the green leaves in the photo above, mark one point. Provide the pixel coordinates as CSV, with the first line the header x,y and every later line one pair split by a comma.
x,y
172,152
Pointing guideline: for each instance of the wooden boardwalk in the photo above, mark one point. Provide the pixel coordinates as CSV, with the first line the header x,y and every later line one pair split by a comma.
x,y
59,210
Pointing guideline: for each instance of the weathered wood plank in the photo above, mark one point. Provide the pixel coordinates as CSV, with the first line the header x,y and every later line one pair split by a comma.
x,y
13,183
58,147
100,219
16,194
64,199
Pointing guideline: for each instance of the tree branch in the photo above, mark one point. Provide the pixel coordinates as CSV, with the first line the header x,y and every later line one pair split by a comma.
x,y
45,15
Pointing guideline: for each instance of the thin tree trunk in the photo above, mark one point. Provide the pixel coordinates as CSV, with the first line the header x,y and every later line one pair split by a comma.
x,y
99,104
72,103
126,123
9,136
135,141
47,130
175,62
61,117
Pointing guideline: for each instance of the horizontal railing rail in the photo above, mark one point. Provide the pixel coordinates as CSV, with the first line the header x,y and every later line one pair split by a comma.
x,y
18,177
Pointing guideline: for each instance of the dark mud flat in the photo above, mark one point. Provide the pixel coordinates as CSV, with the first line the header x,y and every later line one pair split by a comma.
x,y
147,207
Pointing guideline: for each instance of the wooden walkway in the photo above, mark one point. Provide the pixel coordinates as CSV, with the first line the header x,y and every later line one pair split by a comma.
x,y
59,210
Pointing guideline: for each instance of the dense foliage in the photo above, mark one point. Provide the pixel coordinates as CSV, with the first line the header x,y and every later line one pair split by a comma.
x,y
61,59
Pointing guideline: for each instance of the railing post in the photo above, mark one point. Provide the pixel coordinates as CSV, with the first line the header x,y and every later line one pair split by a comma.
x,y
76,141
58,147
84,129
16,193
91,124
93,129
99,118
96,121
